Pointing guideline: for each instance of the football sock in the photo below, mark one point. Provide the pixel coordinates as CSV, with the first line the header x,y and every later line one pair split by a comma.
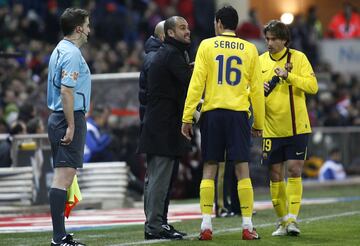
x,y
294,190
246,198
57,200
278,198
206,222
207,193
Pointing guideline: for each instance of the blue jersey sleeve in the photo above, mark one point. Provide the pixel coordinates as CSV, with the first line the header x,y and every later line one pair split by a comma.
x,y
70,68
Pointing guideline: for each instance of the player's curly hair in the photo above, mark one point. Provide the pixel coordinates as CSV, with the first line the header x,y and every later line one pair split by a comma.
x,y
279,30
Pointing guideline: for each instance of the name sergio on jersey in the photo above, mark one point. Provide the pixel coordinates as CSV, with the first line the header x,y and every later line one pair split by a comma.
x,y
228,45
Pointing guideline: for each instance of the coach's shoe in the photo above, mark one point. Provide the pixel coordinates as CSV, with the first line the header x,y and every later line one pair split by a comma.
x,y
205,235
250,235
171,229
293,229
280,230
68,240
164,234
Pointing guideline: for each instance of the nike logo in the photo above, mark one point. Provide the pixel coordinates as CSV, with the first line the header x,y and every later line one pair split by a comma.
x,y
299,153
264,71
244,207
295,202
206,205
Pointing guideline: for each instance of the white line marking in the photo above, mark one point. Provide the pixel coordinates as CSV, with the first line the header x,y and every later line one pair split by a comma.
x,y
239,228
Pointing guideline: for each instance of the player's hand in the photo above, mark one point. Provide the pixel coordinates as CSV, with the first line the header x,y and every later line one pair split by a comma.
x,y
69,135
187,130
281,72
256,133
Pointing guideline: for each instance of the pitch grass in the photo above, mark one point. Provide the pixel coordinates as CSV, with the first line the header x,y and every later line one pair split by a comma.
x,y
325,224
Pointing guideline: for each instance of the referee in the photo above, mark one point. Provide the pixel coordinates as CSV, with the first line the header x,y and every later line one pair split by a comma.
x,y
69,87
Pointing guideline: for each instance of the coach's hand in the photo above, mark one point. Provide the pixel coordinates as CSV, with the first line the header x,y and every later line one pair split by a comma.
x,y
69,135
187,130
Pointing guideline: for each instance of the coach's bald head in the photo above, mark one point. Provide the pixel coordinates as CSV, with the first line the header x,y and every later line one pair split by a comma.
x,y
159,31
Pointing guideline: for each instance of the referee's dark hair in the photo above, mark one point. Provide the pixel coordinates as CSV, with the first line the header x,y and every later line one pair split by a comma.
x,y
71,18
228,16
279,30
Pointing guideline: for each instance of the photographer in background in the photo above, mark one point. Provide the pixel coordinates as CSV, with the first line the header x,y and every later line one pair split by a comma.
x,y
287,126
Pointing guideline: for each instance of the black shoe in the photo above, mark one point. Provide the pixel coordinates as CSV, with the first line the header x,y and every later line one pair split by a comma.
x,y
170,228
68,240
164,234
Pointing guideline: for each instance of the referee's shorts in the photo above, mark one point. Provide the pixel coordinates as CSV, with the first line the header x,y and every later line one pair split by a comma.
x,y
225,131
71,155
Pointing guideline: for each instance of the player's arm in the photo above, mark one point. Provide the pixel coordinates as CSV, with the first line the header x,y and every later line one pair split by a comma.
x,y
306,80
257,92
196,87
195,91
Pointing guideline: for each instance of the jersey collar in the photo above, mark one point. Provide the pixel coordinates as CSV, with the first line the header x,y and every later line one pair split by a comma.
x,y
280,55
228,34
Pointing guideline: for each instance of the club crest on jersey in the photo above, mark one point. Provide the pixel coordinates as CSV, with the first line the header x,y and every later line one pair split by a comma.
x,y
64,74
74,75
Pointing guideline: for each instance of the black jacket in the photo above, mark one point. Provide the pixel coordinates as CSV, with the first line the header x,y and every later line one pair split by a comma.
x,y
151,46
168,79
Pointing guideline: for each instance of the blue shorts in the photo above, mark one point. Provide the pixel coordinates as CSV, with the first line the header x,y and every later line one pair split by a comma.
x,y
225,131
71,155
276,150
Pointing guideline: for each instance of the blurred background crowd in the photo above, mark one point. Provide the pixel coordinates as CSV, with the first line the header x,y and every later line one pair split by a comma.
x,y
30,30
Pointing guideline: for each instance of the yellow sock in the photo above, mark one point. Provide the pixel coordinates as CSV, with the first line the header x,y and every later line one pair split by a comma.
x,y
278,198
294,190
246,197
207,194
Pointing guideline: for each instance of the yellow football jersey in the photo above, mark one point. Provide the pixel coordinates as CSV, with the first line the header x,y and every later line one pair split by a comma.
x,y
227,71
285,107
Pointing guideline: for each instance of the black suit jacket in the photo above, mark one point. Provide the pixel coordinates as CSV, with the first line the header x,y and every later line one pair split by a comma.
x,y
168,79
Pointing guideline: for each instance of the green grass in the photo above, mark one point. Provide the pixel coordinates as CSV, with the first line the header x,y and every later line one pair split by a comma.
x,y
325,224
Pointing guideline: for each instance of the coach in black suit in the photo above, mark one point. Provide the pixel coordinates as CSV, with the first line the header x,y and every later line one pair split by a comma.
x,y
161,139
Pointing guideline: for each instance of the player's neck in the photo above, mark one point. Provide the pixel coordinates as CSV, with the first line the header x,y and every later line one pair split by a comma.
x,y
279,55
227,31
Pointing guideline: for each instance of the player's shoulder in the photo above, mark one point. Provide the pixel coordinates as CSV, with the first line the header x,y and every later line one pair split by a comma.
x,y
264,55
296,53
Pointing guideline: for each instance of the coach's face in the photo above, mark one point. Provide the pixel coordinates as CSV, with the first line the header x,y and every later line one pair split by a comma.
x,y
181,32
273,43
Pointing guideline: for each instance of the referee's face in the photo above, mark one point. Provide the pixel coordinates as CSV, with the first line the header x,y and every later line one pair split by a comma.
x,y
273,43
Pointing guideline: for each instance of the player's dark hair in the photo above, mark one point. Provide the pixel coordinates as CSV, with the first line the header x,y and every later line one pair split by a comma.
x,y
228,16
71,18
279,30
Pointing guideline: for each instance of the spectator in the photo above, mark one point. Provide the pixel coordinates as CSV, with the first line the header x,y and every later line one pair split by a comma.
x,y
251,28
97,142
332,169
5,145
345,24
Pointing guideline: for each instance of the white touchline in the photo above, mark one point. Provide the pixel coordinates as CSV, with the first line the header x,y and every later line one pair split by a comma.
x,y
239,228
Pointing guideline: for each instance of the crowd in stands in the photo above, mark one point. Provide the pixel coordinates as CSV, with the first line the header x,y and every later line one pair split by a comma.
x,y
29,30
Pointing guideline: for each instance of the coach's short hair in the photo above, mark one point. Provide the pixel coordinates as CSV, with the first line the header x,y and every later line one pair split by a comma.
x,y
228,16
279,30
170,24
71,18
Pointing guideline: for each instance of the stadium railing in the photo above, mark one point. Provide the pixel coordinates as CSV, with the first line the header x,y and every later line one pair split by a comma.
x,y
27,181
